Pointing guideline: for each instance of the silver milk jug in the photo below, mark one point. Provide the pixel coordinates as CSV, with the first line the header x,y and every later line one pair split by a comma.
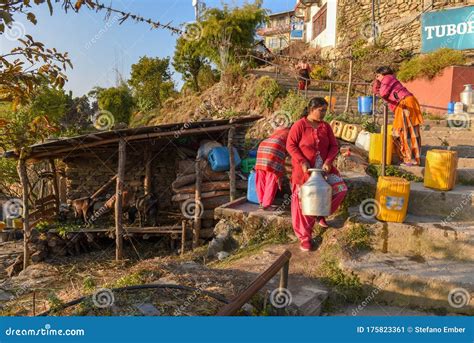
x,y
316,195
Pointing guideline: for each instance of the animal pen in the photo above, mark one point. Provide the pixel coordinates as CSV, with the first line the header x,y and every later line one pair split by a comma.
x,y
154,167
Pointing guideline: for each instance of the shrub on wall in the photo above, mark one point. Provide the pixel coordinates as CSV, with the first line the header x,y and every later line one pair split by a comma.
x,y
430,65
267,89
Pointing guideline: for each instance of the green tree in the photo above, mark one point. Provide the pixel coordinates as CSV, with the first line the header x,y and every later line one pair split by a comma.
x,y
118,101
189,60
230,32
151,83
49,101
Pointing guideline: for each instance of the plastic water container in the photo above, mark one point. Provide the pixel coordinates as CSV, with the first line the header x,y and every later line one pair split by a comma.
x,y
364,104
451,107
219,159
252,189
350,132
375,151
252,154
337,128
440,169
458,108
392,198
248,164
363,140
331,102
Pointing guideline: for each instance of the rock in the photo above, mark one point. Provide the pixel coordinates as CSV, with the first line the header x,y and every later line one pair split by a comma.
x,y
5,296
222,255
247,308
148,309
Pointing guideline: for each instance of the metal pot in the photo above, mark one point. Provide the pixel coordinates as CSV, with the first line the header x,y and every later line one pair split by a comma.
x,y
467,96
316,195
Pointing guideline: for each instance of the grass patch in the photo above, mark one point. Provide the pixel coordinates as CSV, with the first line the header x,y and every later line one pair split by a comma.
x,y
356,237
376,170
268,90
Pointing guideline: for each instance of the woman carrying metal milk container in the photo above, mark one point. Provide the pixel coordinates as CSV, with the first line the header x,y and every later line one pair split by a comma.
x,y
313,148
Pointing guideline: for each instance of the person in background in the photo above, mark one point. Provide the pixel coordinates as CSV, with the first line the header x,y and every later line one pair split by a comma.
x,y
408,116
270,166
311,144
304,70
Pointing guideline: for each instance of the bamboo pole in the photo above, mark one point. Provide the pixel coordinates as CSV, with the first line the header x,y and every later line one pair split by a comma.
x,y
349,85
104,187
384,134
55,183
118,201
198,204
230,146
21,169
148,175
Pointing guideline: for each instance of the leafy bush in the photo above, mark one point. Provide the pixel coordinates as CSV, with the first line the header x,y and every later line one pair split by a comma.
x,y
375,171
430,65
267,89
294,104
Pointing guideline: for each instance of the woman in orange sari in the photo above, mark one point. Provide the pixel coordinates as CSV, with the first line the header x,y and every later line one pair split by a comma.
x,y
408,116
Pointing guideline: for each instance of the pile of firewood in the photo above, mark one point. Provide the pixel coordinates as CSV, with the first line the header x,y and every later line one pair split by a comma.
x,y
215,188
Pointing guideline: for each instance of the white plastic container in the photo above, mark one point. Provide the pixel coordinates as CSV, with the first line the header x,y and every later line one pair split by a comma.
x,y
363,140
458,108
467,97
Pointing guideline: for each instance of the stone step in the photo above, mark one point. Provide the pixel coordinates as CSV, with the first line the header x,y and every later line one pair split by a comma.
x,y
421,237
464,151
431,284
454,205
464,175
463,162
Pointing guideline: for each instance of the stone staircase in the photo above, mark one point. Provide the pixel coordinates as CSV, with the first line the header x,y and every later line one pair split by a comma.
x,y
419,263
288,83
426,262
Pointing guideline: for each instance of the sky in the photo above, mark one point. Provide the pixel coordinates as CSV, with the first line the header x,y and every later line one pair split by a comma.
x,y
99,48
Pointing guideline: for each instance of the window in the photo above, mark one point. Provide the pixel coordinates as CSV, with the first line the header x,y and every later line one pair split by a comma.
x,y
320,21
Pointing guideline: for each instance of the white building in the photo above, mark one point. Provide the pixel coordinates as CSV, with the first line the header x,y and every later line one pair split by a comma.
x,y
320,18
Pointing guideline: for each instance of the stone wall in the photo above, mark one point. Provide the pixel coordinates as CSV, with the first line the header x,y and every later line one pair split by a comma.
x,y
399,24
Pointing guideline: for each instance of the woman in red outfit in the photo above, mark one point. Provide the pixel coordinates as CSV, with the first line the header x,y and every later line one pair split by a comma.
x,y
311,143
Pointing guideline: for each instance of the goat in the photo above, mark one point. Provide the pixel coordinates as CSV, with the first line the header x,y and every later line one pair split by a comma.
x,y
147,207
82,208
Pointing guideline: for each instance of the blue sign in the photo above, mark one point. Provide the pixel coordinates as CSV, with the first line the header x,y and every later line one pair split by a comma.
x,y
452,28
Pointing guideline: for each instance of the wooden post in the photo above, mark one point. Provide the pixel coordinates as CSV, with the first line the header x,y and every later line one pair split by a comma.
x,y
230,146
183,236
55,183
330,97
349,85
198,204
384,134
21,169
148,177
118,200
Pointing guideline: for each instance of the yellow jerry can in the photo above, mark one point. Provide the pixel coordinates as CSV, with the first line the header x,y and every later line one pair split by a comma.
x,y
392,197
375,152
2,226
17,223
337,127
331,102
350,132
440,169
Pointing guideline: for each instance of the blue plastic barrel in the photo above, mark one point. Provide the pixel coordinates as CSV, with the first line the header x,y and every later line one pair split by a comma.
x,y
364,104
219,159
252,189
451,107
252,153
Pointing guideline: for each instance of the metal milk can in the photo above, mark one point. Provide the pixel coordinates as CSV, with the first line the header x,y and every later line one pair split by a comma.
x,y
316,195
467,97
